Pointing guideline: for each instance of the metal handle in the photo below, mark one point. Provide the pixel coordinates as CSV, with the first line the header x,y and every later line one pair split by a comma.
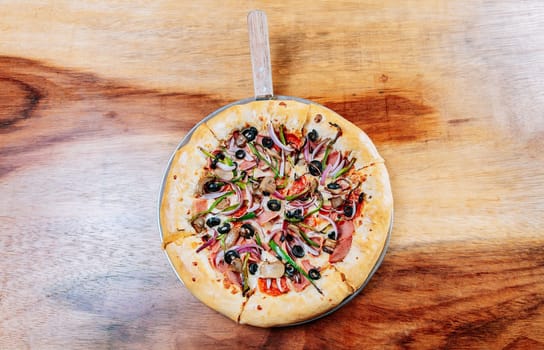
x,y
260,54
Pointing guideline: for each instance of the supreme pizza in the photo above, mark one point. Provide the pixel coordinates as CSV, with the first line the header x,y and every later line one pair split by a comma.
x,y
275,211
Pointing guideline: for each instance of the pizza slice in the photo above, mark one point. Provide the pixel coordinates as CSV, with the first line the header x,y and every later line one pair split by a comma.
x,y
183,185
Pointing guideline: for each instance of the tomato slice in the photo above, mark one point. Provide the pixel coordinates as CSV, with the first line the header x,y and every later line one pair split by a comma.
x,y
273,290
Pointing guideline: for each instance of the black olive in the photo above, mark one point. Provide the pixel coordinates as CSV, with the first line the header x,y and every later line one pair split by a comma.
x,y
240,154
332,235
213,165
230,255
289,214
298,251
333,186
274,205
247,231
361,197
315,167
289,270
314,274
219,156
250,133
348,210
253,267
225,228
213,221
212,186
267,142
298,212
313,135
266,193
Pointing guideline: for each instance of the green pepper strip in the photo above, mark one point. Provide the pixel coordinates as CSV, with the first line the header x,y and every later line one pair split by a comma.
x,y
245,284
221,239
258,238
212,207
316,209
206,152
260,156
282,254
308,240
326,156
344,169
246,216
297,195
282,135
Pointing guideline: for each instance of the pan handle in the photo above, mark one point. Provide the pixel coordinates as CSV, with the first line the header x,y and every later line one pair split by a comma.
x,y
260,54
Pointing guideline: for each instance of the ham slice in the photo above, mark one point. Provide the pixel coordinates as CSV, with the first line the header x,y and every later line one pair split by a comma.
x,y
199,205
343,244
266,216
245,165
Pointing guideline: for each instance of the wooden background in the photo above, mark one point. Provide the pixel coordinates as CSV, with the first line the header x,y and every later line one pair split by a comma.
x,y
94,97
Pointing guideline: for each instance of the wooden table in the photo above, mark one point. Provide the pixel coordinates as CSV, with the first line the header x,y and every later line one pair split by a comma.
x,y
95,96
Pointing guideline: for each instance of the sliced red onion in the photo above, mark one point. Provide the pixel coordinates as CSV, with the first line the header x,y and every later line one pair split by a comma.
x,y
311,250
278,283
268,283
307,150
239,195
254,207
318,148
336,163
278,195
209,242
213,195
282,163
252,248
331,221
277,140
338,168
325,173
220,255
299,204
225,167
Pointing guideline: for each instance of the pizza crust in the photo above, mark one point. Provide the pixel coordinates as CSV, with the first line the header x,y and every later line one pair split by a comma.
x,y
187,167
353,139
201,279
263,310
238,117
371,228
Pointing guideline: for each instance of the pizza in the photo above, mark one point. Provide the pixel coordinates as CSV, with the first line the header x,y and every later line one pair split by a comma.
x,y
275,211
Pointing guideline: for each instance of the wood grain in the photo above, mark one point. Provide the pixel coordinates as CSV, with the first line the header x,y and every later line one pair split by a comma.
x,y
95,97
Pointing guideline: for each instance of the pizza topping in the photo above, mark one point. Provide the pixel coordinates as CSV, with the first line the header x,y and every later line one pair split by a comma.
x,y
314,274
253,268
274,205
276,140
250,133
345,236
315,168
297,251
223,229
247,231
240,154
274,269
268,185
328,245
213,221
313,135
267,142
230,256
